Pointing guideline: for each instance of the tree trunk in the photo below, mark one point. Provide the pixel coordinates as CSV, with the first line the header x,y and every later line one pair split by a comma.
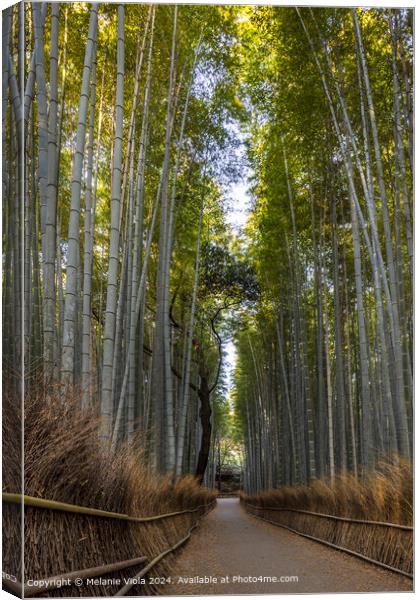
x,y
111,296
161,376
69,319
88,253
205,419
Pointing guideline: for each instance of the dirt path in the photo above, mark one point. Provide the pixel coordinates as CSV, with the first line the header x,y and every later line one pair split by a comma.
x,y
231,543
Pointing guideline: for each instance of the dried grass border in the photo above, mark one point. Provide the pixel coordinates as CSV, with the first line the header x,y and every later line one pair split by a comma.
x,y
385,494
64,461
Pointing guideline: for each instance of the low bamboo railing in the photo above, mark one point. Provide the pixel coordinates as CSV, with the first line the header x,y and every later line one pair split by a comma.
x,y
55,581
342,530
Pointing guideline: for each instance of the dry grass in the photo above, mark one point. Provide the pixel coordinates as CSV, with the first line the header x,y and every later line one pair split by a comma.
x,y
64,461
384,495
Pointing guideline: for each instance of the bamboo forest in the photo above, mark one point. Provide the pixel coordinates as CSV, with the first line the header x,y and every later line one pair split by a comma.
x,y
207,258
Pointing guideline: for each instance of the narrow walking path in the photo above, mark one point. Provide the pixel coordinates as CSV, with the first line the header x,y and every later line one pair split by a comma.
x,y
231,544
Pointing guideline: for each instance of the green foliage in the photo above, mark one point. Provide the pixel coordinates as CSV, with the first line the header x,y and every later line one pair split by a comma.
x,y
225,275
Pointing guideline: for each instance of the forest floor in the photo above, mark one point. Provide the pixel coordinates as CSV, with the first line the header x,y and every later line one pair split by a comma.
x,y
230,543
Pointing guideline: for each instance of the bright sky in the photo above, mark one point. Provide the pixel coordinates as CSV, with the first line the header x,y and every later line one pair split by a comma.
x,y
230,363
239,205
